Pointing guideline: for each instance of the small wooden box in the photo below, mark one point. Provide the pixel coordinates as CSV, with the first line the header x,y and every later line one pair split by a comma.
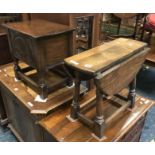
x,y
42,45
23,108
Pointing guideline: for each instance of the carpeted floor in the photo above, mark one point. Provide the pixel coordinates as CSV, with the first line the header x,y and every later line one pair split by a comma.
x,y
146,82
6,135
145,87
148,133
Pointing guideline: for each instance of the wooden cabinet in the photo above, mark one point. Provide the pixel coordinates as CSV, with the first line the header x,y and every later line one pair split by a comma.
x,y
134,133
5,56
24,110
125,128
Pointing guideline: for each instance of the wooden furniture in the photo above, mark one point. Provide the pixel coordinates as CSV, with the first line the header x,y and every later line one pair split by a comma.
x,y
3,116
23,109
125,128
125,16
113,66
42,45
127,25
147,30
86,24
5,56
149,26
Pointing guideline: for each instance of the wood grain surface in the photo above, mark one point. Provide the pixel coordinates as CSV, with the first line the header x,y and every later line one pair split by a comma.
x,y
105,56
38,28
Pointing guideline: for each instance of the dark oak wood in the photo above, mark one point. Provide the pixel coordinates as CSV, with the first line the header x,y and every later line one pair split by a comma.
x,y
5,56
114,67
126,127
3,116
23,109
42,45
73,20
38,28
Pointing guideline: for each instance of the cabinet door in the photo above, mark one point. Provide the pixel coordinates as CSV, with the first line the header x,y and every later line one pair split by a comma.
x,y
20,118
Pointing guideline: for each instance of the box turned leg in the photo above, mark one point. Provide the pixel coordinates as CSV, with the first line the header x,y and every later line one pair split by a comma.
x,y
43,91
70,78
132,93
99,122
43,88
75,104
16,68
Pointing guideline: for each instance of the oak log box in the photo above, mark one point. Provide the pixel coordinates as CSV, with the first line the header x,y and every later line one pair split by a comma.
x,y
42,45
113,66
23,108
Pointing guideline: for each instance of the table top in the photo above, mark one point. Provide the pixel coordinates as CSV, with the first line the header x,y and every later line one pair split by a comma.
x,y
105,56
38,28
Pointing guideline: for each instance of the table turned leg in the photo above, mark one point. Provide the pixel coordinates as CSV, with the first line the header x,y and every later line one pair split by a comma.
x,y
132,93
75,104
99,122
